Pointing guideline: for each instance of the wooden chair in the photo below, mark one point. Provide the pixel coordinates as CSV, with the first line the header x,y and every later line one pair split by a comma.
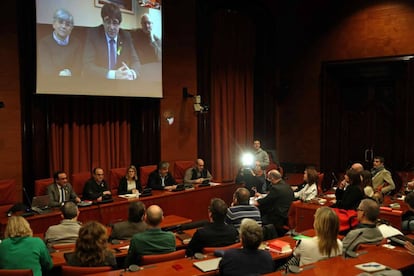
x,y
41,186
179,169
79,270
144,172
17,272
207,250
115,176
79,180
151,259
320,183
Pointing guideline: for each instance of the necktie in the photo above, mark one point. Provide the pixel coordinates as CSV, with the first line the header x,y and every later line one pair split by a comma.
x,y
112,55
62,191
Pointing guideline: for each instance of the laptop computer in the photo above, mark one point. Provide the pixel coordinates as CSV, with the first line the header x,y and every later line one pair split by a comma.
x,y
40,204
208,265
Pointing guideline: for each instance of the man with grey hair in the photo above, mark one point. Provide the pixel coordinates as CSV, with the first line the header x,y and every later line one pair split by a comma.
x,y
366,231
59,52
275,206
147,44
67,230
161,178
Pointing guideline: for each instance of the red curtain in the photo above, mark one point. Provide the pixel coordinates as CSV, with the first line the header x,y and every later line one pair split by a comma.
x,y
80,141
232,69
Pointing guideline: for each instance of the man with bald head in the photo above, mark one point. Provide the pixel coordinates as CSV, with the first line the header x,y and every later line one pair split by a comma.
x,y
151,241
197,174
275,206
357,167
147,44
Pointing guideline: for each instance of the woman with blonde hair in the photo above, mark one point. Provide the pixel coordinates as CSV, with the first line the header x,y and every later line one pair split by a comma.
x,y
129,184
91,247
325,244
20,250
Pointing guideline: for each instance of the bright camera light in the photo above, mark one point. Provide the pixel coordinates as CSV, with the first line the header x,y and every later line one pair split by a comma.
x,y
247,160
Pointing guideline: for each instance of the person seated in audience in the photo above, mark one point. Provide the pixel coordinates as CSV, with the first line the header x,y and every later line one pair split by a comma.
x,y
96,188
260,155
310,190
252,179
129,184
124,230
367,214
240,209
381,177
410,247
214,234
61,190
91,247
248,260
153,240
275,206
324,244
198,174
68,229
368,189
161,177
357,167
408,217
348,197
20,250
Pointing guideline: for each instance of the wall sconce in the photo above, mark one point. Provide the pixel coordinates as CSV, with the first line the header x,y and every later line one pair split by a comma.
x,y
169,117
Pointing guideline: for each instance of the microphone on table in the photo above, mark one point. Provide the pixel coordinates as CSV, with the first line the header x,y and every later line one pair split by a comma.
x,y
351,253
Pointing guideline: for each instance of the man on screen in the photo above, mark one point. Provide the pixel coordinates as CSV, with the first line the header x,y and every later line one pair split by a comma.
x,y
59,51
109,52
147,44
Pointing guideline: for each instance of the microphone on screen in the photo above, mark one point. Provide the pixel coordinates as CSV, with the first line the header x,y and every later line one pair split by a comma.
x,y
351,253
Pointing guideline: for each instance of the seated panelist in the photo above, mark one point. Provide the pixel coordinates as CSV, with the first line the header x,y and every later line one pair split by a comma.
x,y
198,174
161,177
61,191
96,188
129,184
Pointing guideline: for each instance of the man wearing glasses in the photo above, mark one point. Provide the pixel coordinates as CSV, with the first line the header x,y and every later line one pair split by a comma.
x,y
109,52
59,51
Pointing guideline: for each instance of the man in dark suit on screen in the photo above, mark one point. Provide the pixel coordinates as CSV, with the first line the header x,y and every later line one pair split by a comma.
x,y
109,52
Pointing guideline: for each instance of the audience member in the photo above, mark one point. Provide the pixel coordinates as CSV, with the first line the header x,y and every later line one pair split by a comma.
x,y
61,191
349,197
161,177
59,52
241,209
357,167
260,155
96,188
91,247
324,245
248,260
198,174
216,233
68,229
109,52
20,250
408,217
381,177
124,230
252,179
147,44
153,240
410,247
366,231
275,206
310,190
129,184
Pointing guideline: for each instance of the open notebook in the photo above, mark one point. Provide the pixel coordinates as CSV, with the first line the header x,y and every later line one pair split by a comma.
x,y
208,265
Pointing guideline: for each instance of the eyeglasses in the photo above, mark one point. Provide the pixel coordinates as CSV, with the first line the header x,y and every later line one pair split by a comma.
x,y
64,22
109,21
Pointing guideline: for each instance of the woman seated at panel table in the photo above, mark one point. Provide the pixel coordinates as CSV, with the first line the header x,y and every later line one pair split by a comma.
x,y
20,250
324,245
129,184
91,247
350,194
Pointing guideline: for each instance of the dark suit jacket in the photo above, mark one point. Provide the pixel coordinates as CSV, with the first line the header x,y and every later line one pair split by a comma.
x,y
92,190
154,180
124,230
95,55
53,192
123,186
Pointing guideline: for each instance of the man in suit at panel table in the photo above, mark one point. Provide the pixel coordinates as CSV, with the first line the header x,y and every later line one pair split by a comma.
x,y
198,174
109,52
96,187
161,178
61,191
275,206
124,230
